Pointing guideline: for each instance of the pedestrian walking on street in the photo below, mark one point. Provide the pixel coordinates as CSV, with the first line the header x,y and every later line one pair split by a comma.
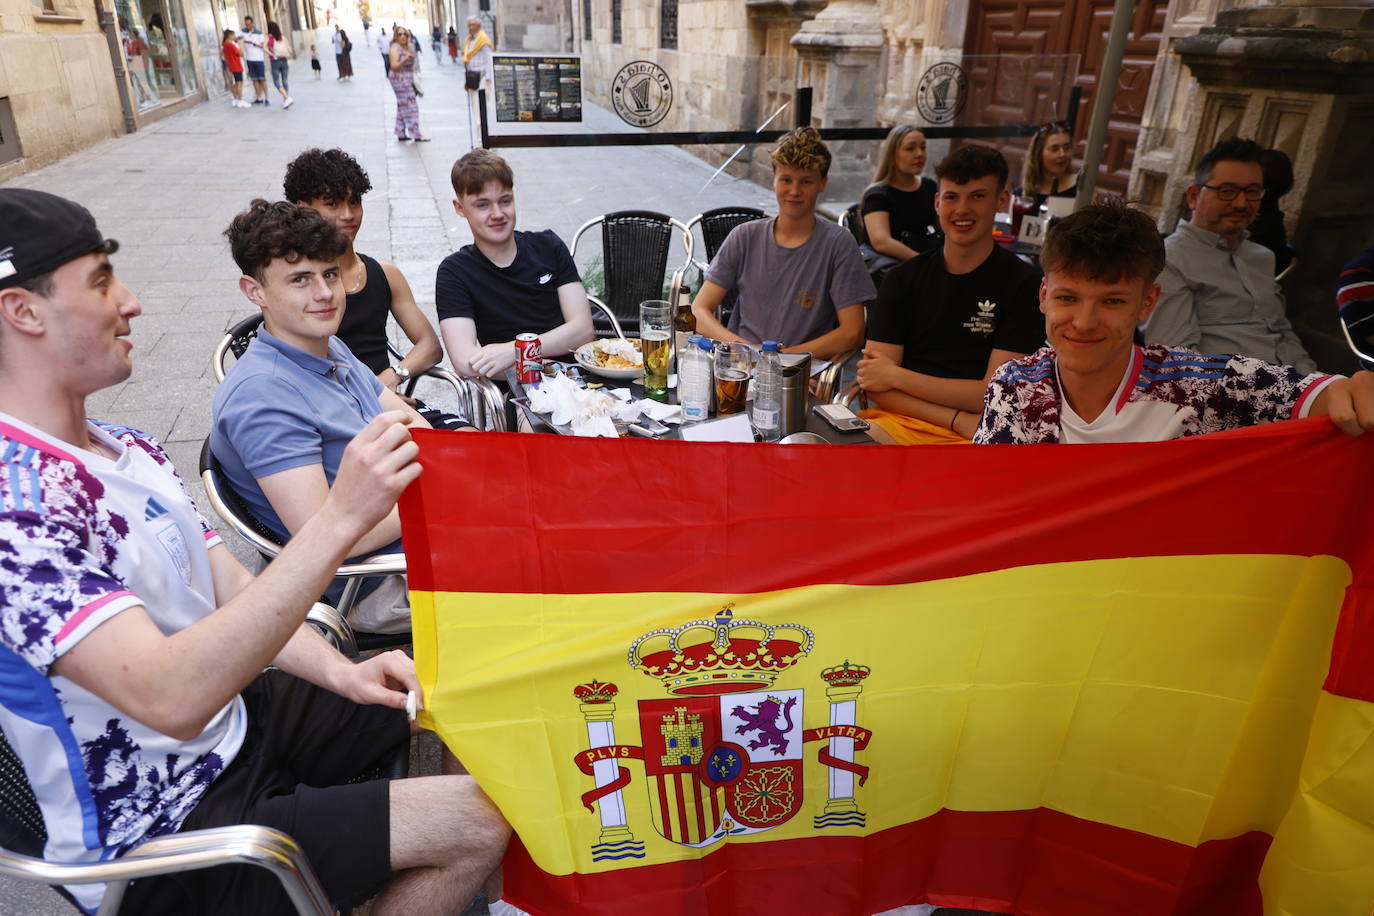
x,y
453,44
233,60
255,56
346,58
337,40
402,77
279,53
384,46
437,43
477,56
315,63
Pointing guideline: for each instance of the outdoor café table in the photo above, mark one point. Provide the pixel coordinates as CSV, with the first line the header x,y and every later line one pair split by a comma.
x,y
539,423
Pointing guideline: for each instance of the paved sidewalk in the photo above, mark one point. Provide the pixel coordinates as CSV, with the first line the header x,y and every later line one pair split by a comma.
x,y
167,193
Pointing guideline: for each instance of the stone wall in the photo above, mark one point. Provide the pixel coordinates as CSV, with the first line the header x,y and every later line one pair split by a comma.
x,y
55,70
528,25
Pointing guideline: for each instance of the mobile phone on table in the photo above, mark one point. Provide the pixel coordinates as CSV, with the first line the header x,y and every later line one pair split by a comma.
x,y
840,417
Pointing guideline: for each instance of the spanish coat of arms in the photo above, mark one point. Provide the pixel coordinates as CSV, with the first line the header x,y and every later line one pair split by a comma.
x,y
723,755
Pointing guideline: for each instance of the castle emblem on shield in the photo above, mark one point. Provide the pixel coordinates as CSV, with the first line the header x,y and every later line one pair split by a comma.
x,y
723,755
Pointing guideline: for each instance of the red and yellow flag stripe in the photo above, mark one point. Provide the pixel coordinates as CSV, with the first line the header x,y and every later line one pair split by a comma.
x,y
1128,679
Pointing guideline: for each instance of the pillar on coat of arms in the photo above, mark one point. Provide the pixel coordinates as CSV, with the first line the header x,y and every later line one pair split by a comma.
x,y
596,707
844,683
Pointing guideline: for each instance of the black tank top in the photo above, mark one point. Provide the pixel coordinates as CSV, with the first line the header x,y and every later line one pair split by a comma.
x,y
363,327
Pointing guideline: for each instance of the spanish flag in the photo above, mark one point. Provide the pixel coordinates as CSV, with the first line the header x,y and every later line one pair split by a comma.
x,y
697,678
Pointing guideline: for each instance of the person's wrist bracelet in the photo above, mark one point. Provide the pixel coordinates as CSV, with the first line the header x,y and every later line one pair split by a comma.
x,y
954,417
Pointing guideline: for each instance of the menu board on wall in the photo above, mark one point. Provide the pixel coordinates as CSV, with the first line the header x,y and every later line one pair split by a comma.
x,y
537,88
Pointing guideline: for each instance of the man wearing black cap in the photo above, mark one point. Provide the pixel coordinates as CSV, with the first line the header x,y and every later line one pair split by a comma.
x,y
104,560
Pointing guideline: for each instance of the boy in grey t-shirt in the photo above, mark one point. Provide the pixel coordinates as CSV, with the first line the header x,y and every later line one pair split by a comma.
x,y
800,279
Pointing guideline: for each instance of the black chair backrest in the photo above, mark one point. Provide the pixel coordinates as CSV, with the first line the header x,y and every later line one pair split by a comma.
x,y
242,334
716,225
21,822
853,220
634,250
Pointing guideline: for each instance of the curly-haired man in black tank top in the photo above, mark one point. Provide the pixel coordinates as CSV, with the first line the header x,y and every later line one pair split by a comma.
x,y
332,183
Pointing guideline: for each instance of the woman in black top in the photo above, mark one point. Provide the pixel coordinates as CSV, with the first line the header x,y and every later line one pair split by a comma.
x,y
1048,170
899,207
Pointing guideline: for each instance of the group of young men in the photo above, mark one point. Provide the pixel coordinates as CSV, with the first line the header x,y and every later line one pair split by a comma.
x,y
106,560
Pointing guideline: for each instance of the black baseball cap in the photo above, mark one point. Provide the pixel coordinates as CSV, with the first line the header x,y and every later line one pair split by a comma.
x,y
40,232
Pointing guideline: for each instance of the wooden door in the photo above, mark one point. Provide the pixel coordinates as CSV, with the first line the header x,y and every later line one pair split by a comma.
x,y
1033,42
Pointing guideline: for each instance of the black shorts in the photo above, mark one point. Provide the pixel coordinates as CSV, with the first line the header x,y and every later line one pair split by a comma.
x,y
303,747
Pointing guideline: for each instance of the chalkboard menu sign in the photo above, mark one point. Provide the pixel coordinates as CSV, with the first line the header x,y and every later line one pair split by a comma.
x,y
530,88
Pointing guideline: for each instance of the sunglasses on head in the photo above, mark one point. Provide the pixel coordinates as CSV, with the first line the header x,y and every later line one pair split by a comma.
x,y
1054,127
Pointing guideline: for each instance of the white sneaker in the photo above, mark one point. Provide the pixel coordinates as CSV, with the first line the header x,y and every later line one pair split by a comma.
x,y
288,103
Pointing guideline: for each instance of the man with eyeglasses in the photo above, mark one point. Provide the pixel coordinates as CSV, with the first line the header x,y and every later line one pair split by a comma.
x,y
1218,289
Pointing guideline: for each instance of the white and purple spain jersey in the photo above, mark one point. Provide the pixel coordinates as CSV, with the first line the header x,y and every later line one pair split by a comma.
x,y
82,538
1164,394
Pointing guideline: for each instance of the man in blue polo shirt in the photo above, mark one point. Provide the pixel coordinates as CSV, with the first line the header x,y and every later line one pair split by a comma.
x,y
297,396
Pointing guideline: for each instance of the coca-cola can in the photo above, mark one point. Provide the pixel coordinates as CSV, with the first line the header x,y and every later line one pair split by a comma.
x,y
529,363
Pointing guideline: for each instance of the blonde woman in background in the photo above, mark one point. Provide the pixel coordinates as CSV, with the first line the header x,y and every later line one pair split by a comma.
x,y
402,77
899,207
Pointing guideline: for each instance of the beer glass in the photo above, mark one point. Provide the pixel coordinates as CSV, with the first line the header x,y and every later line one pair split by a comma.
x,y
656,343
734,363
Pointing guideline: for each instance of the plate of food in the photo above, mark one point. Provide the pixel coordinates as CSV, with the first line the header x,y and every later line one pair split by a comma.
x,y
611,357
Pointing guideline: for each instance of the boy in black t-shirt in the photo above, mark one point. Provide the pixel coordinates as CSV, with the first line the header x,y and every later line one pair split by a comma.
x,y
506,282
945,321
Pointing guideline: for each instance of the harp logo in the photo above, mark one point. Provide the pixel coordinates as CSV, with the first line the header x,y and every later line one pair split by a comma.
x,y
942,92
642,94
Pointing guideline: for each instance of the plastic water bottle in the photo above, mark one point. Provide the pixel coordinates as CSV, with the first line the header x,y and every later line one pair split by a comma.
x,y
767,390
694,379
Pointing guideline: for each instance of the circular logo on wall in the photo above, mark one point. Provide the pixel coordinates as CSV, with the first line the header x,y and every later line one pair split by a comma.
x,y
942,92
642,93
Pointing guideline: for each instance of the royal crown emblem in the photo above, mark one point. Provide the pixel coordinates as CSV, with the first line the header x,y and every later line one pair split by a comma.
x,y
723,756
595,692
710,657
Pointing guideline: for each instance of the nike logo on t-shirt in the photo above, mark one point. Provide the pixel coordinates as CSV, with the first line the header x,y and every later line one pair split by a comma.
x,y
545,279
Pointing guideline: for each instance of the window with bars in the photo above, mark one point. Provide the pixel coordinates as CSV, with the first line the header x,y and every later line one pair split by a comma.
x,y
586,20
615,22
667,24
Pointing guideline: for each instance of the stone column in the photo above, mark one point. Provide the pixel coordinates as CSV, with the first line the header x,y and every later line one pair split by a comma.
x,y
841,51
1299,78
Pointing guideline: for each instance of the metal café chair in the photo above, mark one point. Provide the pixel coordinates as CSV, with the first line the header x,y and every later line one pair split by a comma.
x,y
479,399
715,225
1366,360
634,253
331,622
23,834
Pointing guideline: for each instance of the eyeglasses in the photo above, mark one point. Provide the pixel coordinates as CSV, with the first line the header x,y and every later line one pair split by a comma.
x,y
1231,192
1054,127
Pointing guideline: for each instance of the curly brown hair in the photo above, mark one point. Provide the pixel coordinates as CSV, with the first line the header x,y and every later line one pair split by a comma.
x,y
267,231
802,149
1105,242
331,174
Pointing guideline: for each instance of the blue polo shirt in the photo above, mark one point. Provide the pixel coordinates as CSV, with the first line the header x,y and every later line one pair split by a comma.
x,y
281,408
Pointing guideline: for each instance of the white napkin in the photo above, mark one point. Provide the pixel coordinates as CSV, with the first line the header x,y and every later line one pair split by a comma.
x,y
595,427
663,413
591,411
